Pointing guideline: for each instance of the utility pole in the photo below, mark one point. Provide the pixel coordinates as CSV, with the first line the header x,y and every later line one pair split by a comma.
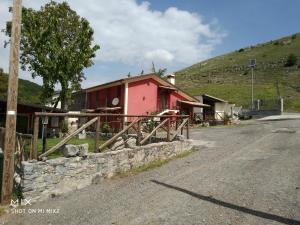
x,y
12,96
252,65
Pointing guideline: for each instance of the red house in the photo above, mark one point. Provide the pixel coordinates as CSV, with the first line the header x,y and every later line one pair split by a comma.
x,y
139,95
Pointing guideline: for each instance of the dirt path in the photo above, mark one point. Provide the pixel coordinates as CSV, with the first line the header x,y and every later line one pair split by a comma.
x,y
242,175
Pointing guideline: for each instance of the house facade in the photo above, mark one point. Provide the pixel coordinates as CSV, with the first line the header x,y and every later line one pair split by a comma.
x,y
140,95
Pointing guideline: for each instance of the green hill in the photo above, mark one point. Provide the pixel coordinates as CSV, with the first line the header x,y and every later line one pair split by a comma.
x,y
229,76
29,92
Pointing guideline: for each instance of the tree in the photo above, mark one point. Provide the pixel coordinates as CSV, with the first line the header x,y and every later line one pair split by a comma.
x,y
161,72
56,44
291,60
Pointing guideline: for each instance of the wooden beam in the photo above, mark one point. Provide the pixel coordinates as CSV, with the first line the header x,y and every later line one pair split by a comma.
x,y
179,128
97,134
12,97
33,152
138,140
104,114
188,129
168,130
108,142
153,131
69,137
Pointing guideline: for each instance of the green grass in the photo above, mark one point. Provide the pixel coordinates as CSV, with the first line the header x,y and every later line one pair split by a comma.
x,y
151,165
229,77
3,211
75,141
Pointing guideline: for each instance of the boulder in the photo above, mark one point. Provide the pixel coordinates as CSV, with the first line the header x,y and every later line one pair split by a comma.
x,y
70,150
118,144
180,137
130,142
83,150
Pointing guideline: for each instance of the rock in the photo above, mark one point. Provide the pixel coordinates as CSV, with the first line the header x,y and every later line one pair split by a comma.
x,y
70,150
82,135
118,144
180,137
60,169
83,150
130,142
97,179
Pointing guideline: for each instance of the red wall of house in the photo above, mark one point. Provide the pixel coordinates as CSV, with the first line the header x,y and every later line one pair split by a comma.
x,y
174,96
104,97
142,97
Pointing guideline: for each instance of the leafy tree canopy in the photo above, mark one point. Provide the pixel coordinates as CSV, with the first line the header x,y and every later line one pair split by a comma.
x,y
56,44
161,72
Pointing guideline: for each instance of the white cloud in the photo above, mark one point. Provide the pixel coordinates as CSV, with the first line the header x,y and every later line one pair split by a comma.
x,y
160,55
134,34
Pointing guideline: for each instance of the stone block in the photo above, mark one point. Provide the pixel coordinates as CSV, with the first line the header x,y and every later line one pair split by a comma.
x,y
70,150
130,142
83,150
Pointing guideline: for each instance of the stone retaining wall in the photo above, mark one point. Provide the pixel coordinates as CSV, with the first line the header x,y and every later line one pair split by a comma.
x,y
54,177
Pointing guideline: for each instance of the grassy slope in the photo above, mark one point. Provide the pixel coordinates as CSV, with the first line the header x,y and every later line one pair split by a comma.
x,y
29,92
229,77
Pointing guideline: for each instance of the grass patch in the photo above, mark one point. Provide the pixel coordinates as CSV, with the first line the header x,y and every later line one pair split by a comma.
x,y
151,165
2,211
74,141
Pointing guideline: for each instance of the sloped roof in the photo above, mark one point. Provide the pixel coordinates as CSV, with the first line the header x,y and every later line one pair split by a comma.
x,y
154,76
213,98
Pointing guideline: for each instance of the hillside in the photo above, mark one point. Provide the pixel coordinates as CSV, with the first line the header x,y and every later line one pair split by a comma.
x,y
229,77
29,92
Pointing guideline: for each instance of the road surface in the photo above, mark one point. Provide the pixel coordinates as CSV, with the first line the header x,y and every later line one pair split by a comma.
x,y
241,175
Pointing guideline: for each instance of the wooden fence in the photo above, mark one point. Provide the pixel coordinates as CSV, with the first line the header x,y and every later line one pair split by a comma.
x,y
24,144
171,124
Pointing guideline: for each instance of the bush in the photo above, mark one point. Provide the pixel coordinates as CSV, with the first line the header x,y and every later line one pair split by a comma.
x,y
241,50
294,36
106,128
291,60
64,127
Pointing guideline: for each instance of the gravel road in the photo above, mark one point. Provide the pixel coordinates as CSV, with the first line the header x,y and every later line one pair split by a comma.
x,y
242,175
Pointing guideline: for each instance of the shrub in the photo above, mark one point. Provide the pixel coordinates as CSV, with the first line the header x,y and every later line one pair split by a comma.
x,y
291,60
241,50
64,127
106,128
294,36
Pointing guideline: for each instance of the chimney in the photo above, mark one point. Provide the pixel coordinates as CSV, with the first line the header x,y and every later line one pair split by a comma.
x,y
171,78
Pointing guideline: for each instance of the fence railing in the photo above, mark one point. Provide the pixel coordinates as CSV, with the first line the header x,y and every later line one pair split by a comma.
x,y
24,144
144,127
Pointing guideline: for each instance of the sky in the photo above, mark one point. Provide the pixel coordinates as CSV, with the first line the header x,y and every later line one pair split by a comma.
x,y
173,34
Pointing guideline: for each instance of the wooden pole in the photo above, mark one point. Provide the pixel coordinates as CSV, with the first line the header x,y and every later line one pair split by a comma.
x,y
139,134
168,130
97,134
34,149
188,129
12,96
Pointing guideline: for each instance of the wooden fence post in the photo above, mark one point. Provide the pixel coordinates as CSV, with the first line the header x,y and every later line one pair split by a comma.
x,y
168,130
138,141
188,129
97,134
34,150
